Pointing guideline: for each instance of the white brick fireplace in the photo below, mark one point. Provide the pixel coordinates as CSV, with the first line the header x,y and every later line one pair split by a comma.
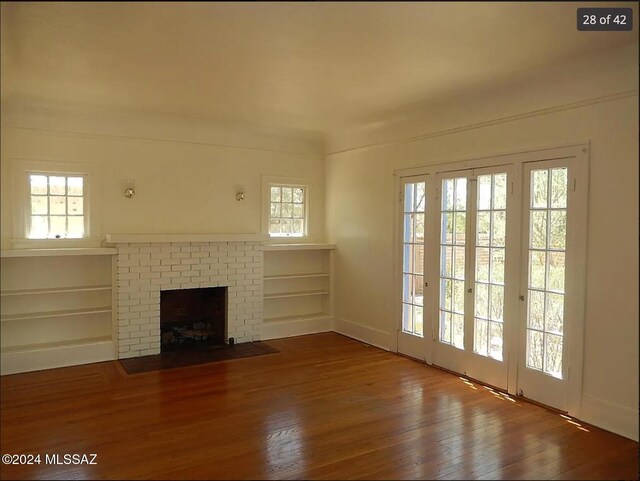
x,y
147,264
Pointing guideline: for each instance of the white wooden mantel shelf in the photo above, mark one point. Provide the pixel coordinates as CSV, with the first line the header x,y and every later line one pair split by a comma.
x,y
59,251
135,238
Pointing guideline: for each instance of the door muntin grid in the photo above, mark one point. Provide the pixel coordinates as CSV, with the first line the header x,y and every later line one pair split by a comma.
x,y
453,226
490,248
414,207
546,270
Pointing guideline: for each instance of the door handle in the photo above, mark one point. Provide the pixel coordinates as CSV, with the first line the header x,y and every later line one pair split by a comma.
x,y
470,290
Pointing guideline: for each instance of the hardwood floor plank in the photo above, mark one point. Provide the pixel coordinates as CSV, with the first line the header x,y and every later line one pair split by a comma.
x,y
324,407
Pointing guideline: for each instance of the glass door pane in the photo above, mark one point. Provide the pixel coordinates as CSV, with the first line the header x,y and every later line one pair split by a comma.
x,y
413,258
546,270
453,228
491,223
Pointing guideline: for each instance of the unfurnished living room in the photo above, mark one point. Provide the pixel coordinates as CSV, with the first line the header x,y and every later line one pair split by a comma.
x,y
323,240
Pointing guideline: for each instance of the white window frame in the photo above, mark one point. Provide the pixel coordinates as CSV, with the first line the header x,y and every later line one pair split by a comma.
x,y
267,183
22,169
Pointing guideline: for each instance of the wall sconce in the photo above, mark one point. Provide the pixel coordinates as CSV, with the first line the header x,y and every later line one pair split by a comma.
x,y
239,192
130,189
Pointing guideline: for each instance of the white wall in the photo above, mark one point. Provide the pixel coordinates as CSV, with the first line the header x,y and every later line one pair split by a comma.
x,y
360,202
186,172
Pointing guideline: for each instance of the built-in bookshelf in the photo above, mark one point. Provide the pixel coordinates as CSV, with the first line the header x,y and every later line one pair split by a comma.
x,y
298,289
56,308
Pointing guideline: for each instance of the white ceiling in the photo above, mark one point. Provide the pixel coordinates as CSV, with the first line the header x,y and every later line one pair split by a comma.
x,y
308,66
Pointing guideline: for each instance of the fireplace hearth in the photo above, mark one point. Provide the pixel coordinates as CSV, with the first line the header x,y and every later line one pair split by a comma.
x,y
193,318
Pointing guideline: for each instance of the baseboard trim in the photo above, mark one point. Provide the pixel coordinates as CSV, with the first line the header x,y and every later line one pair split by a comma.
x,y
610,416
362,333
300,327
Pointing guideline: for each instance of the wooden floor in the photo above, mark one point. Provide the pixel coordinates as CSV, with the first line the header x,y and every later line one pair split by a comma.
x,y
325,407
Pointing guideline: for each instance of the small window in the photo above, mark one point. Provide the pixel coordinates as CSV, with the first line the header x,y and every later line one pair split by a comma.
x,y
57,207
287,214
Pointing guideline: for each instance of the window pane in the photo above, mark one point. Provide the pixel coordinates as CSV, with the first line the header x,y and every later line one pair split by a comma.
x,y
461,227
57,205
274,226
559,188
446,294
39,227
298,226
481,337
482,300
38,184
286,226
497,303
538,229
461,194
557,229
287,210
275,194
447,194
417,257
76,226
39,205
298,211
458,296
500,191
75,205
499,228
275,209
555,280
537,264
497,266
458,262
445,327
446,256
458,330
483,226
417,320
409,197
495,340
539,188
287,194
536,310
58,226
534,349
482,264
407,317
298,195
553,355
418,290
75,185
419,228
484,192
555,313
447,228
420,196
57,185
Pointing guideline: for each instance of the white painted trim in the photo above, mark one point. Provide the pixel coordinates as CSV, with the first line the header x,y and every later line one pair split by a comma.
x,y
610,416
61,356
65,251
362,333
296,247
134,238
277,330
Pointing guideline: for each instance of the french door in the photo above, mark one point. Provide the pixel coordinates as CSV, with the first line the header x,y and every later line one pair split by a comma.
x,y
493,272
414,204
475,304
554,228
